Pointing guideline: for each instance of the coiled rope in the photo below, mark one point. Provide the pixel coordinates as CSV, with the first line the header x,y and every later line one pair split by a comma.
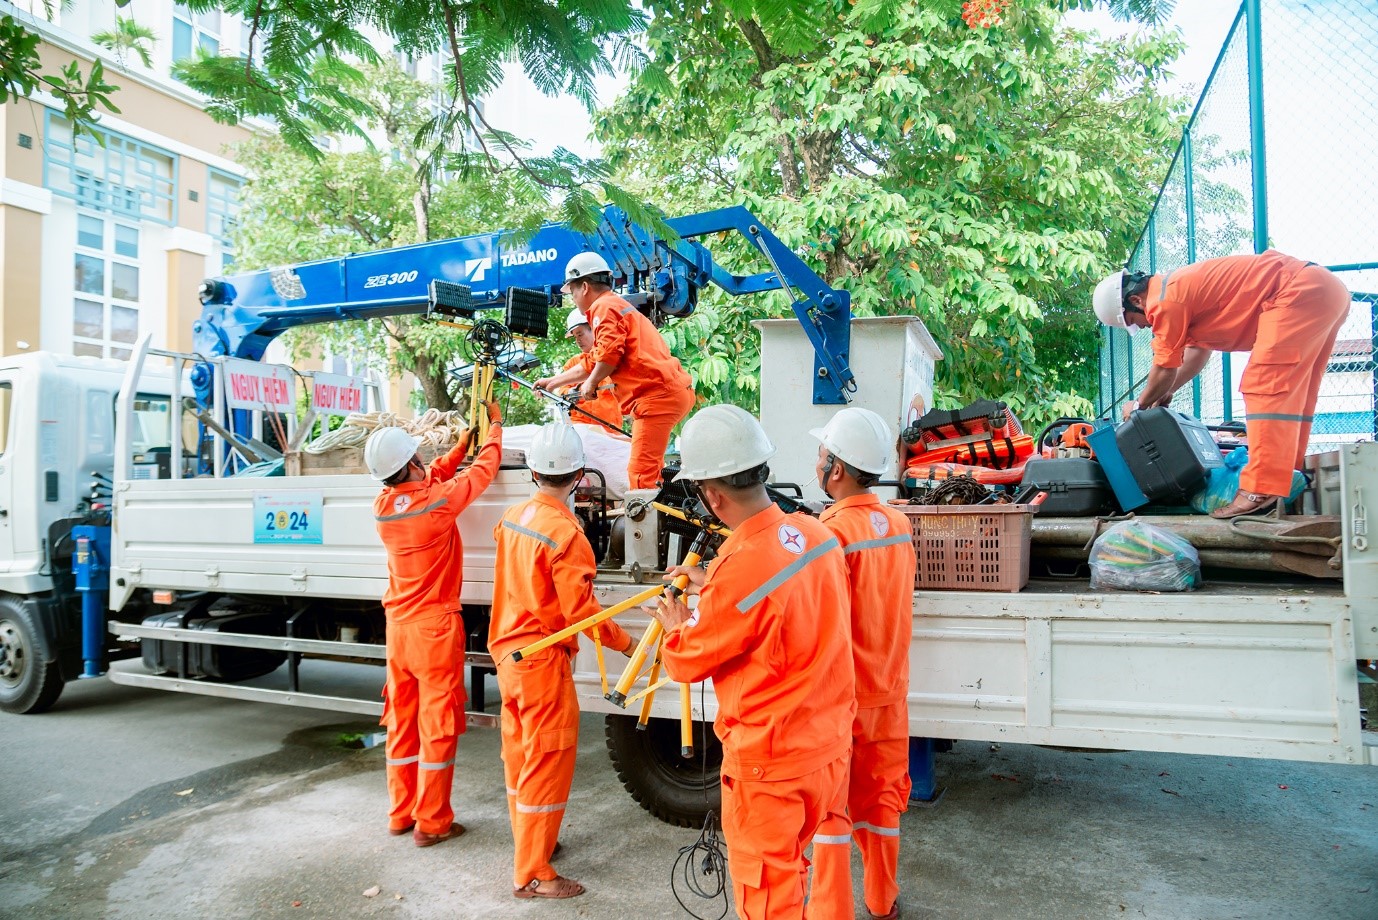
x,y
435,429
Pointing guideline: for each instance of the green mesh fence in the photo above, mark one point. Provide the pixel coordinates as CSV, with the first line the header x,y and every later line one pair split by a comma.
x,y
1296,119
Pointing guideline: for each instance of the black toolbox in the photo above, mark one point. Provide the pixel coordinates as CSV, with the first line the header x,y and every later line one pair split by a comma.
x,y
217,662
1168,453
1076,487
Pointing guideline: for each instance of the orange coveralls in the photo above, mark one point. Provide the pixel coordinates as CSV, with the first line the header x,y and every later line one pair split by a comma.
x,y
543,582
606,406
1287,312
651,384
878,547
423,708
773,631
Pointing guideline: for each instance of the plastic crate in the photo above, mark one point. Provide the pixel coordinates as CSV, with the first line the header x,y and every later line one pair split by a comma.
x,y
971,547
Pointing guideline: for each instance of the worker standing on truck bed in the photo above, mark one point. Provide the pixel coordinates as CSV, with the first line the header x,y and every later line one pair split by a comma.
x,y
542,582
652,386
855,448
772,630
1285,311
605,406
423,708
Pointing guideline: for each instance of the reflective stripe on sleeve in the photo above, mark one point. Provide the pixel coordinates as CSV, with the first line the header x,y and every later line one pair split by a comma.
x,y
785,574
411,514
533,534
894,540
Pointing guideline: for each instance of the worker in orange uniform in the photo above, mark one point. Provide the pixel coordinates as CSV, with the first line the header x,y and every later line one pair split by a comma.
x,y
1285,311
855,449
652,386
543,582
605,406
423,708
772,629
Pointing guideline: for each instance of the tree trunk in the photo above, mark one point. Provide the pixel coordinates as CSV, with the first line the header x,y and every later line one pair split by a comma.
x,y
434,385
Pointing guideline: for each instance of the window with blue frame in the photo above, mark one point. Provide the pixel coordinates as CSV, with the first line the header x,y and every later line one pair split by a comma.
x,y
222,207
110,173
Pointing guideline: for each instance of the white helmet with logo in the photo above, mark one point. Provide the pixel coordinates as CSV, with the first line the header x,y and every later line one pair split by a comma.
x,y
721,440
859,437
1108,301
387,451
582,265
555,450
576,318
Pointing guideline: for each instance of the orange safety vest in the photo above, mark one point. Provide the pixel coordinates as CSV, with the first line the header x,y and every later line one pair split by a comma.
x,y
606,406
773,631
417,523
878,546
543,579
1214,304
624,338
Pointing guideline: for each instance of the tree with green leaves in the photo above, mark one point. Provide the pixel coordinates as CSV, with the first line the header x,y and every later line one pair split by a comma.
x,y
128,36
83,95
983,178
297,207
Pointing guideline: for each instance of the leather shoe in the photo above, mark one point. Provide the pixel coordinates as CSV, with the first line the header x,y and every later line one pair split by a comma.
x,y
1248,503
423,839
399,831
894,913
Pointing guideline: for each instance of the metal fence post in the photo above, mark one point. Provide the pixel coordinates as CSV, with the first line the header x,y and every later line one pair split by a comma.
x,y
1188,169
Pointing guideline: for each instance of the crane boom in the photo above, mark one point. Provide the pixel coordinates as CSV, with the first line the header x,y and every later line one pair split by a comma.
x,y
243,313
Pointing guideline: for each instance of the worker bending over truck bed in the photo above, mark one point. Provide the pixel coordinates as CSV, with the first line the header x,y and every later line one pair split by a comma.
x,y
542,582
605,406
854,450
424,697
1285,311
772,629
652,386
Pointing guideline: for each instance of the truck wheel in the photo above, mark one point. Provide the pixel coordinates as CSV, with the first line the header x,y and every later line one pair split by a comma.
x,y
676,790
27,682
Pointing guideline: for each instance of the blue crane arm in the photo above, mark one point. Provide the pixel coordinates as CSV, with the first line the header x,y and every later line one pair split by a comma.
x,y
241,314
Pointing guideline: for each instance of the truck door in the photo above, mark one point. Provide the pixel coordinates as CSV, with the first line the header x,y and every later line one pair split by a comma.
x,y
6,472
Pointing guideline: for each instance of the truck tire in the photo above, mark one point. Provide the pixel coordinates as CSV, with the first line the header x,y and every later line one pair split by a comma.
x,y
27,682
676,790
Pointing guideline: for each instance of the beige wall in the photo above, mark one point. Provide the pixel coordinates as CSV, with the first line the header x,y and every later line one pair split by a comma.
x,y
185,272
20,116
176,120
21,235
155,111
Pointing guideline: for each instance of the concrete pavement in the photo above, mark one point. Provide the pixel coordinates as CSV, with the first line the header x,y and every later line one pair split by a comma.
x,y
282,821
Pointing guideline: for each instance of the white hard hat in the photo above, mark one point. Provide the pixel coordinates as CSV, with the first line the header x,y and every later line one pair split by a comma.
x,y
859,437
576,318
583,265
1108,301
721,440
387,451
555,450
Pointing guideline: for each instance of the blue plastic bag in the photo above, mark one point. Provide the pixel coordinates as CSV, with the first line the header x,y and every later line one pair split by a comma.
x,y
1223,482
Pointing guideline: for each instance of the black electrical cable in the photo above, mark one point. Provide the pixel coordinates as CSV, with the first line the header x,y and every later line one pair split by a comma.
x,y
702,864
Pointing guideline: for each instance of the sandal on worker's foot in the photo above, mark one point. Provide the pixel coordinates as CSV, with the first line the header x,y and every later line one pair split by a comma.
x,y
399,831
555,888
423,839
1251,503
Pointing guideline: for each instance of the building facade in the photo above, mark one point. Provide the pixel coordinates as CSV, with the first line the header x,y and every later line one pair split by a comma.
x,y
105,238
